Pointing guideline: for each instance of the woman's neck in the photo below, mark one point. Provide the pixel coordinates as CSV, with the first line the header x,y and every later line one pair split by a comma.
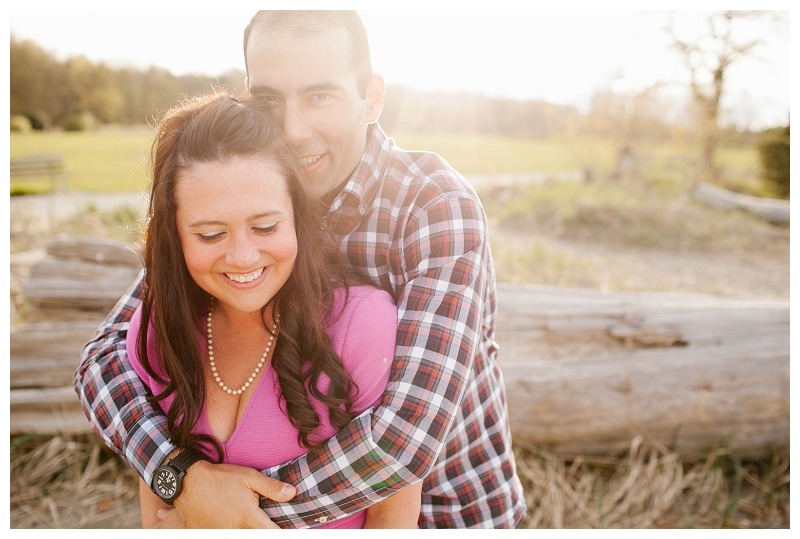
x,y
239,322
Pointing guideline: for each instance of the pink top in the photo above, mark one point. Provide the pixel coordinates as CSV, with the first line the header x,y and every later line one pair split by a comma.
x,y
363,336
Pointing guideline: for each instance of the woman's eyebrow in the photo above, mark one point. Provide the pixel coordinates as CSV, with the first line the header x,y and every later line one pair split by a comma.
x,y
265,214
204,222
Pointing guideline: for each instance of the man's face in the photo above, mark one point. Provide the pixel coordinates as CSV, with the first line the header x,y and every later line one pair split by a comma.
x,y
311,86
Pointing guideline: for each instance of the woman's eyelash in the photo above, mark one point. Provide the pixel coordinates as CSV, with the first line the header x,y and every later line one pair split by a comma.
x,y
263,230
266,229
209,238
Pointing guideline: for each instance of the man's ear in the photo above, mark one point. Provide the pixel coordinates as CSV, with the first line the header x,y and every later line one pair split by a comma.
x,y
376,93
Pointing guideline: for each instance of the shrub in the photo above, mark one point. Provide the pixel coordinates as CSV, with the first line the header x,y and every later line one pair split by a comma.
x,y
20,124
81,122
773,148
39,120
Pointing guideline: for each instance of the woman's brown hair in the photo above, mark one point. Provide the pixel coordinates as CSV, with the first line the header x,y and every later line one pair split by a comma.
x,y
217,128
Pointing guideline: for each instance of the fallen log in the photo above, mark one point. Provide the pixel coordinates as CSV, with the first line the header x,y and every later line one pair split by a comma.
x,y
80,275
54,410
769,209
97,250
585,372
45,355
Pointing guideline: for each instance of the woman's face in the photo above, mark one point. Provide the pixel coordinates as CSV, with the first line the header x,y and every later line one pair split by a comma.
x,y
236,225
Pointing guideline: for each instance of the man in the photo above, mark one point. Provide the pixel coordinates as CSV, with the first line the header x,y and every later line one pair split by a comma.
x,y
413,226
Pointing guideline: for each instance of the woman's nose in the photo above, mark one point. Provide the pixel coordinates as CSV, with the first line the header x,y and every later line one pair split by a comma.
x,y
243,253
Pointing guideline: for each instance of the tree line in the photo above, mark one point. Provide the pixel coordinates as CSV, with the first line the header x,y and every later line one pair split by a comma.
x,y
76,93
54,93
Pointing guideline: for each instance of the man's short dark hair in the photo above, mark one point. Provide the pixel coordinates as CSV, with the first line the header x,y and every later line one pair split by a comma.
x,y
308,23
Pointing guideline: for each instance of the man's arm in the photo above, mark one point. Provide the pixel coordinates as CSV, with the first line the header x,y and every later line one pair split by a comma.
x,y
113,396
399,511
440,322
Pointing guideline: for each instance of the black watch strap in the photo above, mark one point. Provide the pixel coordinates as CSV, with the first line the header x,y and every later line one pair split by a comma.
x,y
168,478
186,459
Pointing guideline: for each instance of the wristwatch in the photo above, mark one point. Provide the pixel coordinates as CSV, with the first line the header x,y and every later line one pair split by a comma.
x,y
168,478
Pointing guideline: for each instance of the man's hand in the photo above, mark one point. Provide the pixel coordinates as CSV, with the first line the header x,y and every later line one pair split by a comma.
x,y
226,496
170,518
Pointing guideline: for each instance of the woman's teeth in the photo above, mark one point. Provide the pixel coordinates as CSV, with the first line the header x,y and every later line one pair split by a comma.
x,y
244,278
308,160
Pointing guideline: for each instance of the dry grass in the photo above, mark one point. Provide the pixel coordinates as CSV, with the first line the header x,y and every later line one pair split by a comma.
x,y
652,487
73,482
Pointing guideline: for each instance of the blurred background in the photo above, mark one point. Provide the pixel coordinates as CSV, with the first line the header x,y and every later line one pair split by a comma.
x,y
614,151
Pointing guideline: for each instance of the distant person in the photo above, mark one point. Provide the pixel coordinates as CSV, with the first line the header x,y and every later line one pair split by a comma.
x,y
235,269
413,226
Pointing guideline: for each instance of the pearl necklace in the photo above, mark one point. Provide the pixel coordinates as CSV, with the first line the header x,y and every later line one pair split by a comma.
x,y
261,361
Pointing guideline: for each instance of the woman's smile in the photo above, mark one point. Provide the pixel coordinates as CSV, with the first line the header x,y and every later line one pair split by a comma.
x,y
244,278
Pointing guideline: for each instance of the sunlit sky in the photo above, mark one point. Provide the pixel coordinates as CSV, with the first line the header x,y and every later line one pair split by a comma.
x,y
559,56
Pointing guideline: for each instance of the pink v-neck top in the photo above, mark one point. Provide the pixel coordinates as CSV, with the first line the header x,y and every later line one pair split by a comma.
x,y
363,336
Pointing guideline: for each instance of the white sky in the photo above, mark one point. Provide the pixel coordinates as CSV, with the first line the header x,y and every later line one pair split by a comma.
x,y
559,56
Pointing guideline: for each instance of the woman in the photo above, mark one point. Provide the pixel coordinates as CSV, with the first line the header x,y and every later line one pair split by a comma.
x,y
256,347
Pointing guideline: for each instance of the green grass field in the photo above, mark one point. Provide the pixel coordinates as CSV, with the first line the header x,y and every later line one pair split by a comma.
x,y
111,160
493,154
114,160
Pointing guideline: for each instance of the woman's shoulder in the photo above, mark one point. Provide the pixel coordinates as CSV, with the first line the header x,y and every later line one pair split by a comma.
x,y
357,299
365,337
360,312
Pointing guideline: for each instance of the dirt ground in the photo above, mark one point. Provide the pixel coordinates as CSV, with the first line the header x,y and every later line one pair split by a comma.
x,y
615,268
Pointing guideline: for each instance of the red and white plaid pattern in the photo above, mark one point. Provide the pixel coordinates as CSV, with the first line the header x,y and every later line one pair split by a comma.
x,y
415,227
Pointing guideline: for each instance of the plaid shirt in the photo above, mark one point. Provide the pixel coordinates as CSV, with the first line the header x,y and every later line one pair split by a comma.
x,y
412,225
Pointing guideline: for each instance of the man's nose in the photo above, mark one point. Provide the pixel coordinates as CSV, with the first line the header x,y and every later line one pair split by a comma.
x,y
243,253
296,124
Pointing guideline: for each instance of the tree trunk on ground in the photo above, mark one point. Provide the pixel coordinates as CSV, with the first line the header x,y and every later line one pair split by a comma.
x,y
586,371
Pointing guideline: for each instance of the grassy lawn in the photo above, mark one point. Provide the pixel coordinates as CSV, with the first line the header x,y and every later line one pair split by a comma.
x,y
491,154
114,160
111,160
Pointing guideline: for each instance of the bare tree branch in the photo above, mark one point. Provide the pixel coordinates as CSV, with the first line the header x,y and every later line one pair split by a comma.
x,y
708,57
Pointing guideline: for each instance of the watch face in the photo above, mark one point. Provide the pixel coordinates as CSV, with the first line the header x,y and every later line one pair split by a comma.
x,y
166,483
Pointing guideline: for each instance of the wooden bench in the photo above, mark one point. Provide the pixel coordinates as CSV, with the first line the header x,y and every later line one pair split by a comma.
x,y
35,166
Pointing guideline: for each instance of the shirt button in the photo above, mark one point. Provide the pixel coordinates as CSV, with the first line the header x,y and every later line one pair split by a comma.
x,y
361,210
322,520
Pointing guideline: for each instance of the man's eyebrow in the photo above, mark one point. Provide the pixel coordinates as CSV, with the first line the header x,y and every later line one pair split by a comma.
x,y
319,87
263,89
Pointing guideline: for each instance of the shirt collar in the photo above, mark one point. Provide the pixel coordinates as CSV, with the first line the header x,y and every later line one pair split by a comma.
x,y
368,172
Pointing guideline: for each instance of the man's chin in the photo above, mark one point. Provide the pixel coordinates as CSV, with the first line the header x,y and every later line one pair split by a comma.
x,y
322,185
